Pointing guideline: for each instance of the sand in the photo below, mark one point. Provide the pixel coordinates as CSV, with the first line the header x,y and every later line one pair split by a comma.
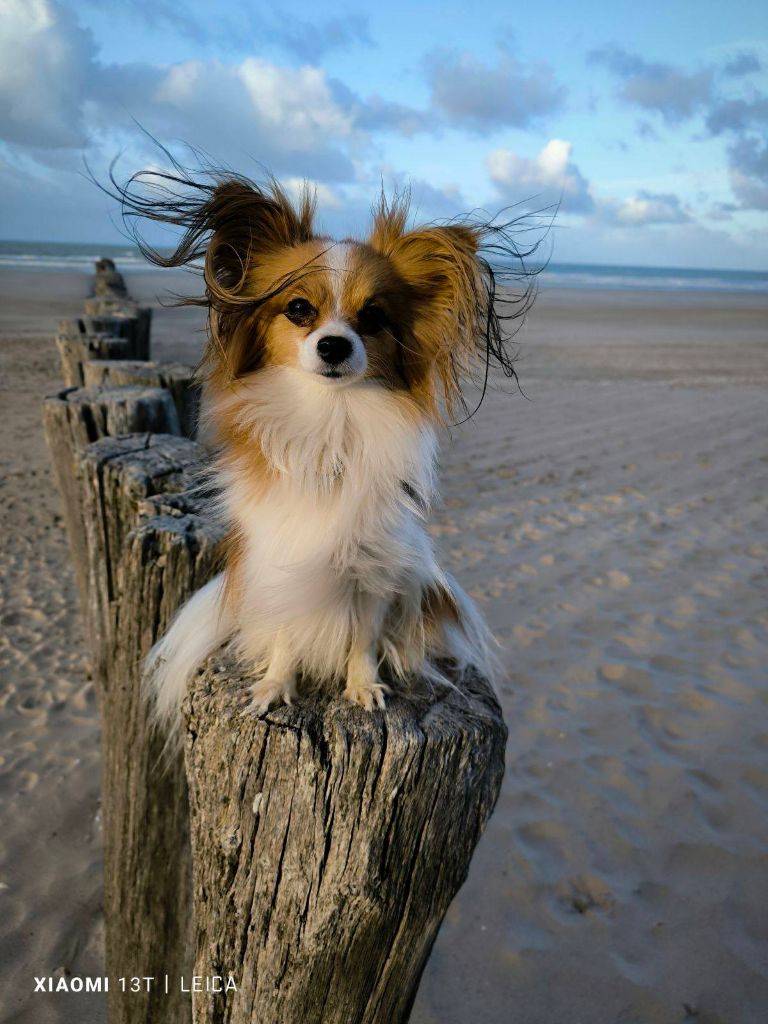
x,y
613,528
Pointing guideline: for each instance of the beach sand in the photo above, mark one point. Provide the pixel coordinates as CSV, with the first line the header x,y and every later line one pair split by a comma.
x,y
613,528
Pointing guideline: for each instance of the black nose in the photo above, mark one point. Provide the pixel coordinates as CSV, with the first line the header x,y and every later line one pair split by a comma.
x,y
334,350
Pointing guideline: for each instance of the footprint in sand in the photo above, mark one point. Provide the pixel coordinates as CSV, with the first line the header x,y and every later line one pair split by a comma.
x,y
635,682
613,672
585,893
524,635
27,781
618,580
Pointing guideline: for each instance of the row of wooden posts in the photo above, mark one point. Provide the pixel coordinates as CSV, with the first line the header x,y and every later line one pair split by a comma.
x,y
298,864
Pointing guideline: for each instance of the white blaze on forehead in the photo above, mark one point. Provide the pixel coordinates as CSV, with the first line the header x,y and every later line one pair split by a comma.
x,y
338,259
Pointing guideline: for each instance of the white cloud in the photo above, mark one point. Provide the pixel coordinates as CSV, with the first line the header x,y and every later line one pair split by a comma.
x,y
327,198
296,100
45,62
749,173
644,208
673,92
483,98
239,30
54,93
552,175
683,245
279,115
751,193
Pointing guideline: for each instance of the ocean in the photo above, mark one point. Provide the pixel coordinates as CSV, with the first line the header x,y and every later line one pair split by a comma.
x,y
52,256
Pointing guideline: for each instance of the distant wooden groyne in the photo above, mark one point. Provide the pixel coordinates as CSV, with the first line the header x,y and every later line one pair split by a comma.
x,y
299,863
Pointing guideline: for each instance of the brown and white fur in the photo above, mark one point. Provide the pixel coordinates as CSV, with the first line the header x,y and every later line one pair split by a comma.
x,y
328,370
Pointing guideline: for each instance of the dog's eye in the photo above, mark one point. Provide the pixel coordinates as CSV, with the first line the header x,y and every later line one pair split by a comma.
x,y
300,311
371,319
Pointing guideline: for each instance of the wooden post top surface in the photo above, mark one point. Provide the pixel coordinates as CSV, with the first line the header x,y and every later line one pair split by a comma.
x,y
437,714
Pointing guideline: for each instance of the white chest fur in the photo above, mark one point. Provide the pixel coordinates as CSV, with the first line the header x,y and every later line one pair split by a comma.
x,y
343,515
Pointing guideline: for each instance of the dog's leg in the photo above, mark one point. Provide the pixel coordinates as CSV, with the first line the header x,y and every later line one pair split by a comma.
x,y
363,684
278,683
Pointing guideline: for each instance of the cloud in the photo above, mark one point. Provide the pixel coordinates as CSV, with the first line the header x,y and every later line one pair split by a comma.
x,y
646,130
684,245
673,93
55,94
749,173
472,95
306,39
287,119
644,208
738,115
678,95
377,114
312,40
428,201
296,102
721,211
551,175
46,61
38,205
743,63
327,198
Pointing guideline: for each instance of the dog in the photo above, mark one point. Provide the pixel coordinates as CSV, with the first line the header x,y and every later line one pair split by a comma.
x,y
329,369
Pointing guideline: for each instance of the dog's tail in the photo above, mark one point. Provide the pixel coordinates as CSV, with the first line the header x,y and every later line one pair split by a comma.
x,y
197,629
469,640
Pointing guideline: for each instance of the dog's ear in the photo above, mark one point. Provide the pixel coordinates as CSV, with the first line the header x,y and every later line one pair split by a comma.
x,y
225,217
439,266
243,221
229,222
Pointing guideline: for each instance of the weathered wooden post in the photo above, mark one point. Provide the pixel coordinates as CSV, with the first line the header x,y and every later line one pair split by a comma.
x,y
135,326
130,583
110,306
83,338
74,418
110,294
75,350
146,551
108,280
114,327
328,843
177,378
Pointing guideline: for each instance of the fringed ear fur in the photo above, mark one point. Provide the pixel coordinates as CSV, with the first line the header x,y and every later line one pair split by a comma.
x,y
456,320
245,221
228,222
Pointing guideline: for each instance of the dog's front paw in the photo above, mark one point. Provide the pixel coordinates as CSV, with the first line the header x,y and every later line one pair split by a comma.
x,y
268,692
367,695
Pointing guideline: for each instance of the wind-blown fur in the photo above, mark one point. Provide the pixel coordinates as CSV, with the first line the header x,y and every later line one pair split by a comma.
x,y
329,368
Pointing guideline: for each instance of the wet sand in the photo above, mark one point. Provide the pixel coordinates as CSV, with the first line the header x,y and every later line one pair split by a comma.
x,y
613,528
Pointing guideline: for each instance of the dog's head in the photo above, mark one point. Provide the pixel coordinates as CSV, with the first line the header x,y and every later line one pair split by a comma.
x,y
412,308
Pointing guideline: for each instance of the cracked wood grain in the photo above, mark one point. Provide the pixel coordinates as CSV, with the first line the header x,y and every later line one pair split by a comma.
x,y
329,842
177,378
74,418
147,550
121,334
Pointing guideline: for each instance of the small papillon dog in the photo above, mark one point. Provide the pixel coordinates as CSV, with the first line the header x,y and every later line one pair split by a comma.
x,y
330,366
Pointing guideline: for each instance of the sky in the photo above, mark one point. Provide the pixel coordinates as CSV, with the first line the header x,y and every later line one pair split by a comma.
x,y
644,124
